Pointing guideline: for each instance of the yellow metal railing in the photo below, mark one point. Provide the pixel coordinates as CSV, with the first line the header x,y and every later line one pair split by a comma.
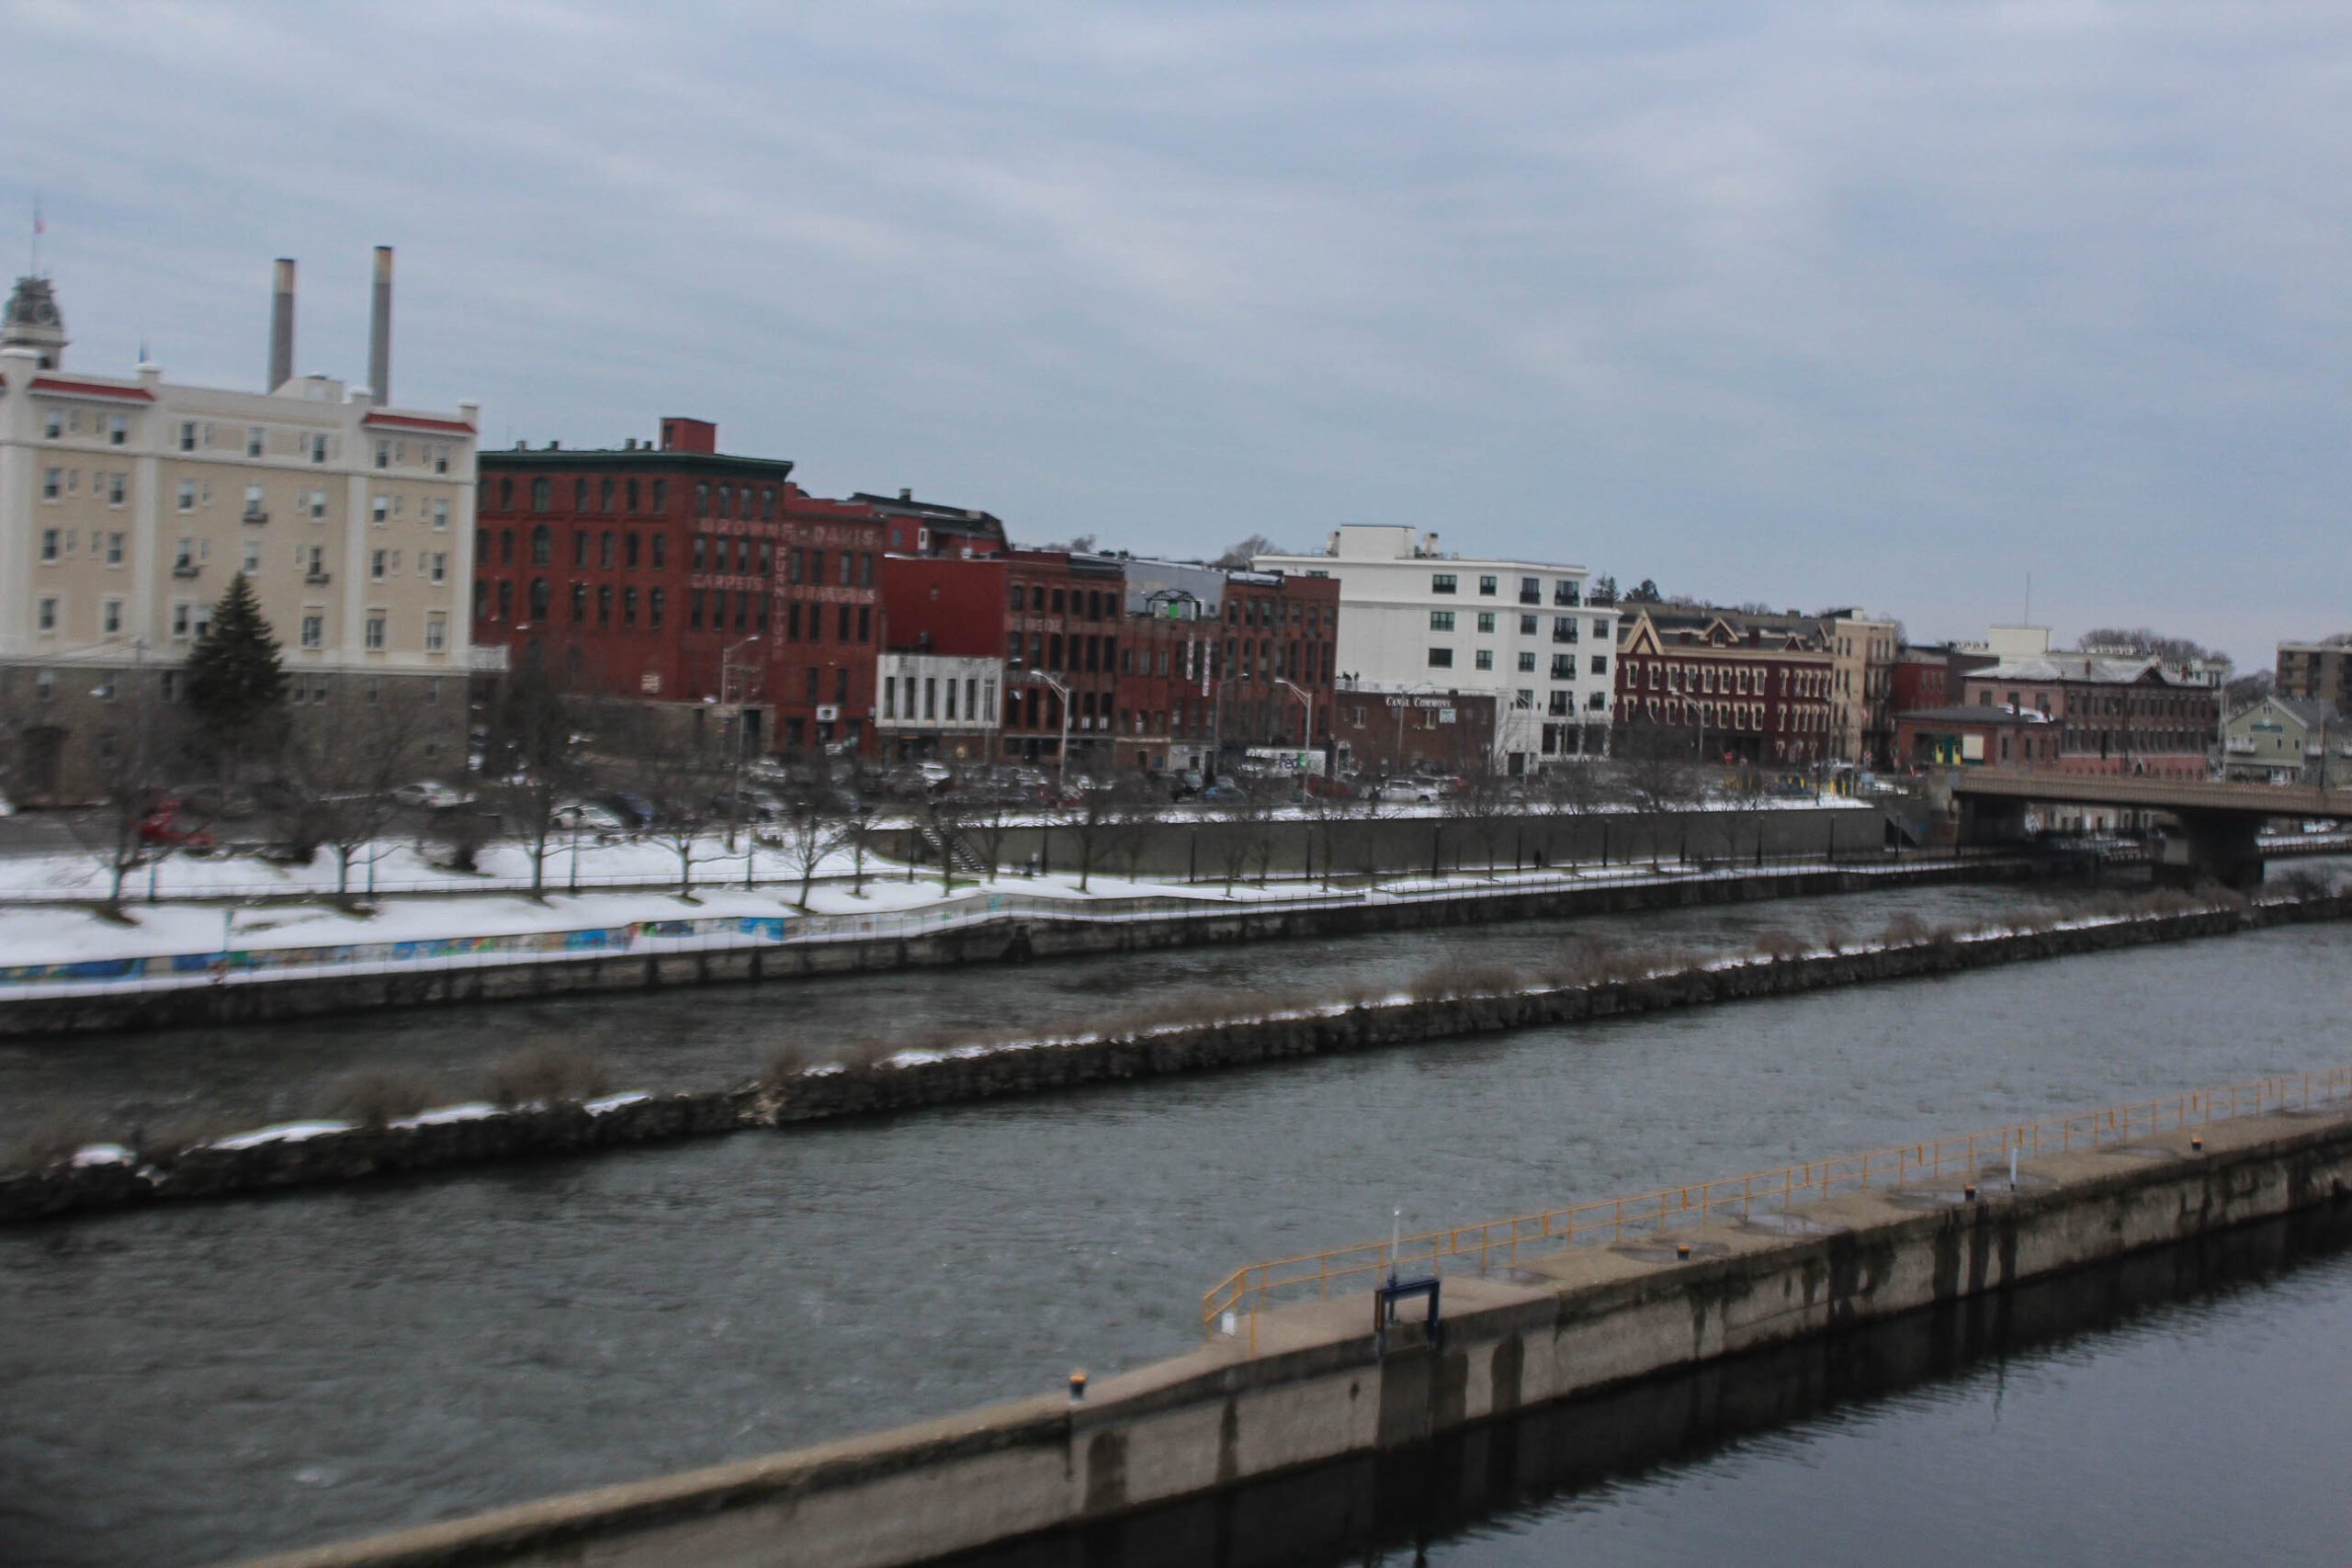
x,y
1254,1287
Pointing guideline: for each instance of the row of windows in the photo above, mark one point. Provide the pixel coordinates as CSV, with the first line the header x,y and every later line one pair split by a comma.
x,y
56,484
1565,590
1740,680
1750,716
979,698
1564,628
57,422
607,496
190,619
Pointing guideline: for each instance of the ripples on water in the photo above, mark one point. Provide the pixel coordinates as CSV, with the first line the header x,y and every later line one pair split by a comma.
x,y
186,1384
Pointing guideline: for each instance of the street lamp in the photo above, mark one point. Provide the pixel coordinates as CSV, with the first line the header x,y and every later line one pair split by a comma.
x,y
1304,697
1062,775
735,792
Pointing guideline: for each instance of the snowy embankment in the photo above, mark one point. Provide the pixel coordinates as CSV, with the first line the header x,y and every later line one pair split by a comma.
x,y
69,950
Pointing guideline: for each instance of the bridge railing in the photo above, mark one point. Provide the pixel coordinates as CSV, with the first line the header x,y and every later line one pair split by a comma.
x,y
1231,1306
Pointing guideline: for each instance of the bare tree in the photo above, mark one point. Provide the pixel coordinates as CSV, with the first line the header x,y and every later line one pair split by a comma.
x,y
1239,557
677,775
813,827
944,814
989,825
1096,821
543,761
343,765
132,758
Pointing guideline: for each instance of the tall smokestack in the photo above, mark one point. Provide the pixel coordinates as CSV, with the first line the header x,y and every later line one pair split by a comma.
x,y
379,331
281,326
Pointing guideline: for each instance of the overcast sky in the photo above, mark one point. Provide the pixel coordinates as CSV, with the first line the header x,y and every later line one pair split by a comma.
x,y
1814,303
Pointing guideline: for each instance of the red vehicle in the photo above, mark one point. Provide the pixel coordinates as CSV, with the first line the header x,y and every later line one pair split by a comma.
x,y
166,828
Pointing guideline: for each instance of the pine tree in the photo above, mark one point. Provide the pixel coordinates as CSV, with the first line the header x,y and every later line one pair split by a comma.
x,y
236,685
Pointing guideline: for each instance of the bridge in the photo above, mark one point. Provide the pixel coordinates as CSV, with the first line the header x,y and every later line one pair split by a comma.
x,y
2218,821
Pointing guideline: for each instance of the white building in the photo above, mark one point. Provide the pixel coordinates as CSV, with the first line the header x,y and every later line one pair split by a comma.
x,y
1412,618
128,502
937,705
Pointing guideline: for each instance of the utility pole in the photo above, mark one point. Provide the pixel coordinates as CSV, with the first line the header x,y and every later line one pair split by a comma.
x,y
735,792
1062,775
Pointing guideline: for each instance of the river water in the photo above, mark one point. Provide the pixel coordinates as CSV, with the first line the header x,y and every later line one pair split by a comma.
x,y
191,1382
710,1038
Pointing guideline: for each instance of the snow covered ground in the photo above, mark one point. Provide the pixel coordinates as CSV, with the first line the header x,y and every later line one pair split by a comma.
x,y
59,950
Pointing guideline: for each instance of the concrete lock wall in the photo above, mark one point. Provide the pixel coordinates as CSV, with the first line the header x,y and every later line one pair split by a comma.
x,y
1571,1324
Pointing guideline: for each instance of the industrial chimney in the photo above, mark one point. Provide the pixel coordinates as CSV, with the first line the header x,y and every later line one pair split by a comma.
x,y
281,326
379,331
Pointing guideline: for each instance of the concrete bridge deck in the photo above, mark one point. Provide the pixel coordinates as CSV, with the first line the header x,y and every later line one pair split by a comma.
x,y
2220,821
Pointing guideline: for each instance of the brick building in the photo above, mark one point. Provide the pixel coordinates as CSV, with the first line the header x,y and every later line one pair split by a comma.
x,y
1400,730
1727,685
942,657
674,571
2119,716
1064,616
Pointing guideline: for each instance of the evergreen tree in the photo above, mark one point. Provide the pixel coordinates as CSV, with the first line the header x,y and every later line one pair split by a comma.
x,y
236,685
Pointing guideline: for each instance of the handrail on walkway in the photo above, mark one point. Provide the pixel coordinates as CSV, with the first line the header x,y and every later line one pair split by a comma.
x,y
1254,1287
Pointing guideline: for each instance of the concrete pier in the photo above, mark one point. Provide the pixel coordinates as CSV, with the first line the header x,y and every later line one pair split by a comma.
x,y
1566,1325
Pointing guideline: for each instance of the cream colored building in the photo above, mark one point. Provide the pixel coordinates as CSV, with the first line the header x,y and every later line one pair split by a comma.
x,y
126,503
1862,685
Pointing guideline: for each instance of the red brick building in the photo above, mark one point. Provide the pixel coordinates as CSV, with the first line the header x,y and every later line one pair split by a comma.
x,y
1278,629
1736,692
671,570
1063,615
1398,732
2116,715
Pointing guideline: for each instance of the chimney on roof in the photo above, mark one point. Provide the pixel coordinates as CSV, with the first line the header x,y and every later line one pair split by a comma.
x,y
281,324
906,493
379,331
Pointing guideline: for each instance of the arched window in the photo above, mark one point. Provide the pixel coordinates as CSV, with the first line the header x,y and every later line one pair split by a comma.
x,y
724,496
538,495
542,546
653,602
579,603
767,503
506,599
580,494
539,599
702,501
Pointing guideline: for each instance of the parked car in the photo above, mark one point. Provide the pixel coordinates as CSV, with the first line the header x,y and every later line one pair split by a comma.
x,y
168,827
585,817
635,811
1409,792
432,795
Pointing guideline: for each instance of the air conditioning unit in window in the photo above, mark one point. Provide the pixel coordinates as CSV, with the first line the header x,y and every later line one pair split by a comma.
x,y
828,713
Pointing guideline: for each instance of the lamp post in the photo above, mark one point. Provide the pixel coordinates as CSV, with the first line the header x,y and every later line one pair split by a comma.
x,y
1304,697
735,792
1061,771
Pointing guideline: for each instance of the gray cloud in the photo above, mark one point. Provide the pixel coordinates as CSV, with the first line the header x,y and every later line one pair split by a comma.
x,y
1868,302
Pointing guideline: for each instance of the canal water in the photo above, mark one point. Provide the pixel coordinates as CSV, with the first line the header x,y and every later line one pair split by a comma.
x,y
219,1079
187,1383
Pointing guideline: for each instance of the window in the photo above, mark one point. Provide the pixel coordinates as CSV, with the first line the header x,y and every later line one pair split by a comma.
x,y
1564,666
1596,701
580,602
1600,627
661,551
1485,623
1560,703
1531,591
440,513
1441,620
254,512
48,537
542,546
1564,628
52,425
110,617
254,441
1485,659
1486,586
48,613
374,631
539,495
187,436
380,511
1527,626
318,506
1443,582
1601,664
318,444
440,459
52,485
629,606
603,604
628,550
116,485
118,430
383,454
376,562
253,558
654,600
1566,592
437,569
314,628
114,549
661,496
1441,658
539,599
1527,663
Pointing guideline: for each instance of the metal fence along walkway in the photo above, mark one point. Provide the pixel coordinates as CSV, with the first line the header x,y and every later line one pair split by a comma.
x,y
1255,1287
